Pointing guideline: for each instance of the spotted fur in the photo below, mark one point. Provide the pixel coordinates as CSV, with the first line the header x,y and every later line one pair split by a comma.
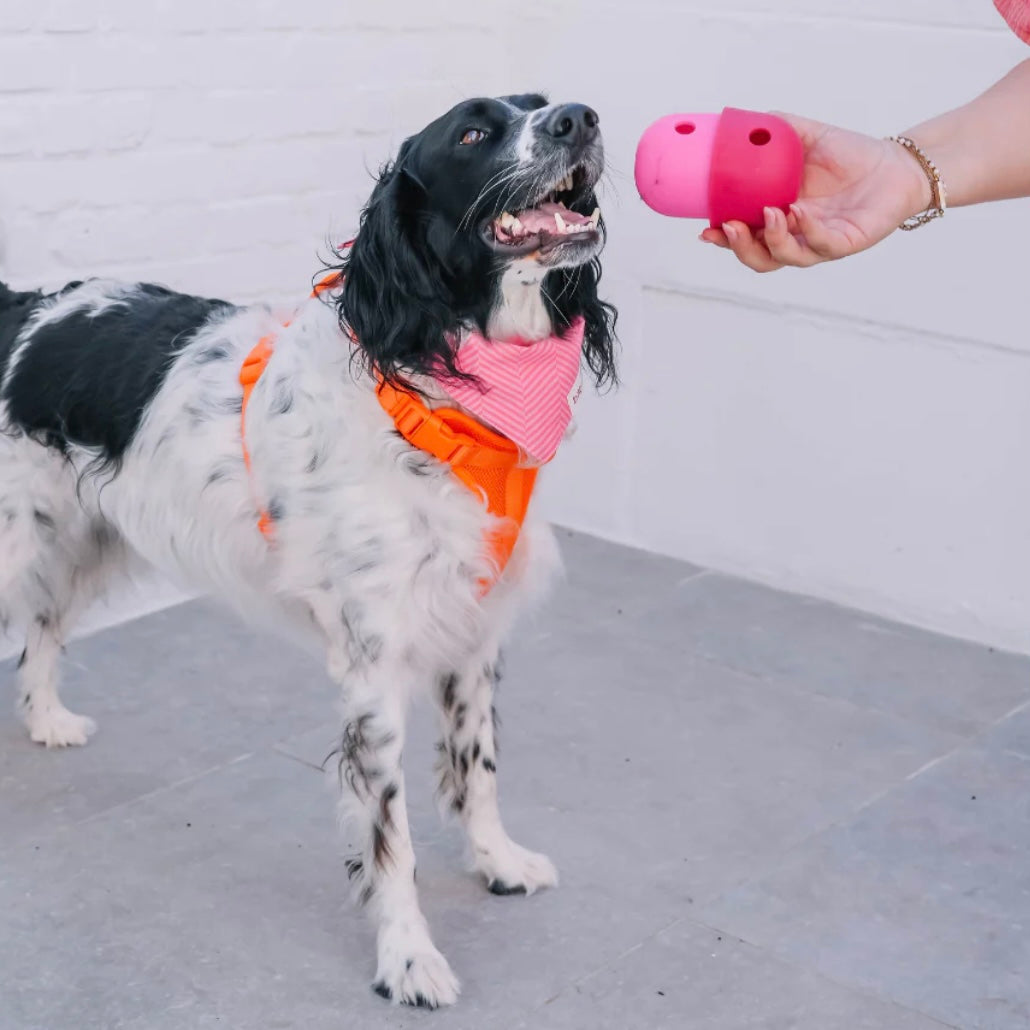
x,y
121,449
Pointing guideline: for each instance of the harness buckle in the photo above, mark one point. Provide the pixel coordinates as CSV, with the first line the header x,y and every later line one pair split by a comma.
x,y
461,454
409,420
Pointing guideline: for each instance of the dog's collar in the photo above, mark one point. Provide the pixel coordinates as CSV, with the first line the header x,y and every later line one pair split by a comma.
x,y
489,464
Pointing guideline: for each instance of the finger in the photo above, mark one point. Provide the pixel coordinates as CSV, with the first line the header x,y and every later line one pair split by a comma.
x,y
716,236
820,240
748,250
785,247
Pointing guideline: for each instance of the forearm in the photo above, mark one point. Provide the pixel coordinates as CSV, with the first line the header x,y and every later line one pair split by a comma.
x,y
982,149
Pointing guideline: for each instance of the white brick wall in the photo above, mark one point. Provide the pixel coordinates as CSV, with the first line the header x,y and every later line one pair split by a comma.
x,y
861,431
216,146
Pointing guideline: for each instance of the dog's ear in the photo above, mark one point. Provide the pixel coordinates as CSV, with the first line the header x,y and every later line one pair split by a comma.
x,y
394,299
573,293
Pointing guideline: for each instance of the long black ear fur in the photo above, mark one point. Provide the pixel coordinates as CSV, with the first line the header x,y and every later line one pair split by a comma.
x,y
394,298
408,291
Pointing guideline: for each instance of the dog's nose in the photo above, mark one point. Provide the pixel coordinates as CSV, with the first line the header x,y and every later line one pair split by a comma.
x,y
572,123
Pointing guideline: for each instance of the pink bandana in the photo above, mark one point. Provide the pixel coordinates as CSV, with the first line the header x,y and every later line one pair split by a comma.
x,y
526,389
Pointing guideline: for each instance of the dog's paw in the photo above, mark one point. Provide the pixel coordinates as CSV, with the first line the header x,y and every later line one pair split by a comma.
x,y
510,869
412,972
57,727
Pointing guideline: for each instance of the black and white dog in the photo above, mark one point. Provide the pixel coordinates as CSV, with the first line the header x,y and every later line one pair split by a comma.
x,y
120,446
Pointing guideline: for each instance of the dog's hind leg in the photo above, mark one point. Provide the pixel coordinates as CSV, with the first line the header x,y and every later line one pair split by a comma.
x,y
47,564
65,578
467,769
40,705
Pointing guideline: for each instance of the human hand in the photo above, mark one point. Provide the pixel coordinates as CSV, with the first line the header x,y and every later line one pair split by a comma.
x,y
855,191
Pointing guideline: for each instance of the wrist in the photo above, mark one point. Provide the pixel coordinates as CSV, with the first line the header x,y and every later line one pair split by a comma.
x,y
926,196
919,194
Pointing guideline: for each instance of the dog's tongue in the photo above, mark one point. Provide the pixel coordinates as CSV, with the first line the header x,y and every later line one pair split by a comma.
x,y
542,218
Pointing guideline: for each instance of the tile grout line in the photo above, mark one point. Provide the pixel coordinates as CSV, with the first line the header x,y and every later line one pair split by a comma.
x,y
972,739
833,699
656,599
780,861
690,920
129,802
785,684
166,788
590,974
959,741
814,970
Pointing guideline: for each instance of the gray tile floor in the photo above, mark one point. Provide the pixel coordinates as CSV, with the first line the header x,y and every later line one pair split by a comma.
x,y
768,812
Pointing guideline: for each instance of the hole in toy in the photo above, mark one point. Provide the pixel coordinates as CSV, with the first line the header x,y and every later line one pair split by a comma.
x,y
760,137
685,128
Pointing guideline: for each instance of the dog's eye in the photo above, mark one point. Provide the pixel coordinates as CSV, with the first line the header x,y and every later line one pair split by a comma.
x,y
473,136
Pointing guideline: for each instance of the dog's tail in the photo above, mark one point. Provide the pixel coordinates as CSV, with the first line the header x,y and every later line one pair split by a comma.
x,y
15,308
14,299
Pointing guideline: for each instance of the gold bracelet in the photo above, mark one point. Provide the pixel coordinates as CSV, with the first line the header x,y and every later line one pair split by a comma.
x,y
938,194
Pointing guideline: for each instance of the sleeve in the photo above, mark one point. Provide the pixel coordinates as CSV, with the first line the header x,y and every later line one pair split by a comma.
x,y
1017,14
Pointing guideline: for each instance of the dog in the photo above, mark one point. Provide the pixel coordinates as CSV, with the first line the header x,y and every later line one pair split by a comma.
x,y
125,444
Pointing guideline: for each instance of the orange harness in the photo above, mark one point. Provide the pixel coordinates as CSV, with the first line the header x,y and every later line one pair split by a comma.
x,y
486,462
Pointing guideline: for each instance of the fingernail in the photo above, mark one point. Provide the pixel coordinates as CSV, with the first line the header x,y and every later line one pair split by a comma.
x,y
731,232
795,210
772,215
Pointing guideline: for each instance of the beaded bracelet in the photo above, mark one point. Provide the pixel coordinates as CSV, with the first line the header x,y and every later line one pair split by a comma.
x,y
938,198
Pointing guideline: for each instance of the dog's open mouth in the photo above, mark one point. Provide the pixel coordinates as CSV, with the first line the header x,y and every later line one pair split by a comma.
x,y
547,224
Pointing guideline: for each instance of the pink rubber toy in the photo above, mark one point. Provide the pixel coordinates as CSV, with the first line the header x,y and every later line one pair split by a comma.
x,y
723,167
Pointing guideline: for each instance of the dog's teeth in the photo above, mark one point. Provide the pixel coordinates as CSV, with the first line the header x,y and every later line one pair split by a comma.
x,y
595,218
515,225
560,222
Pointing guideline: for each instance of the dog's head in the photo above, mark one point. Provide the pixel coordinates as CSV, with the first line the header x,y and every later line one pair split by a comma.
x,y
492,184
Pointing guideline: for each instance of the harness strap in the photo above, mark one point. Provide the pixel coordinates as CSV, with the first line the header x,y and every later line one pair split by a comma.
x,y
250,372
447,434
486,462
253,367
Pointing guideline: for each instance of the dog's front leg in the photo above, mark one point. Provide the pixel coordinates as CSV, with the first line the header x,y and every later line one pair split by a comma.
x,y
410,969
467,769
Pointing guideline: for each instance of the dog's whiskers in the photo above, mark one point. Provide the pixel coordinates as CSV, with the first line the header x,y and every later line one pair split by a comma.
x,y
497,181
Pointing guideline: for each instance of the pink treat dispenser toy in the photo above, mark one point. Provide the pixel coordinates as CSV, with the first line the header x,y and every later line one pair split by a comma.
x,y
723,167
